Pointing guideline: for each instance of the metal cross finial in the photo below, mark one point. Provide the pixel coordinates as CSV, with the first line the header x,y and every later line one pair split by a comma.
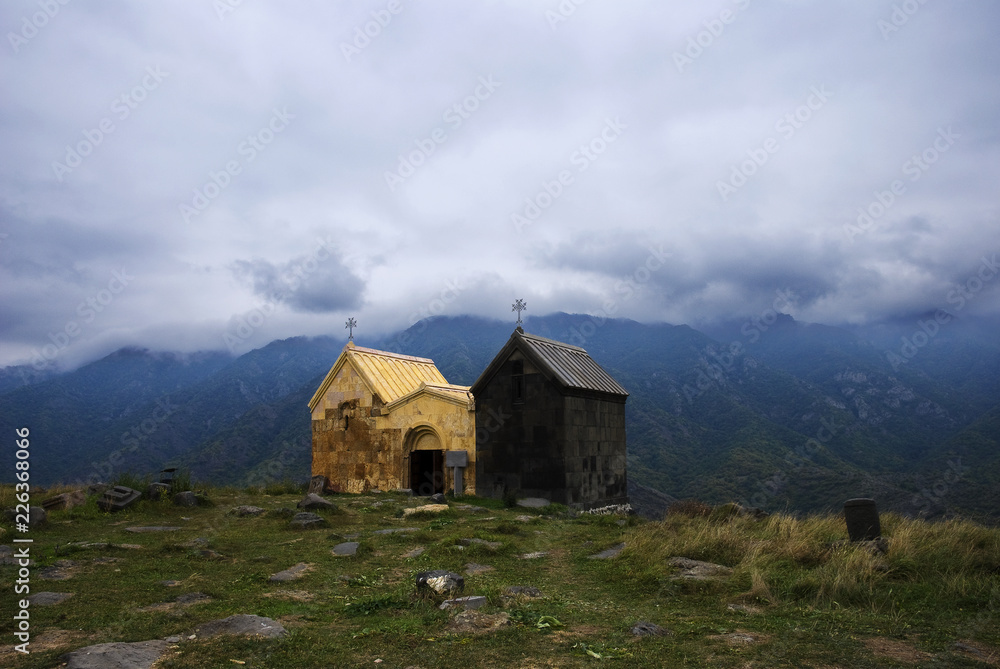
x,y
519,306
351,324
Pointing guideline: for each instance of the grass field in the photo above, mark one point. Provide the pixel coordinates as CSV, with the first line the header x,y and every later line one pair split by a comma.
x,y
796,595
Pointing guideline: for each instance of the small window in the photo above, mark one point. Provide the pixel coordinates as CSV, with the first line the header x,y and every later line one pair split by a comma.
x,y
517,381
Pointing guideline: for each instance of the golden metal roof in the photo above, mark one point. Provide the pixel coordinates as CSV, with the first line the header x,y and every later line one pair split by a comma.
x,y
388,375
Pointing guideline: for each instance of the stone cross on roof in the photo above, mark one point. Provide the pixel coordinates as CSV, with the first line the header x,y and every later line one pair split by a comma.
x,y
350,325
519,306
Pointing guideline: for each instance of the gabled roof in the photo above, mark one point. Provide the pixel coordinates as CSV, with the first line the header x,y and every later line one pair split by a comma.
x,y
459,395
388,375
571,367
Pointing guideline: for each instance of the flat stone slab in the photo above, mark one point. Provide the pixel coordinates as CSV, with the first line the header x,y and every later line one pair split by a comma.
x,y
416,552
240,625
346,549
307,520
471,508
476,622
292,573
138,655
522,591
470,602
533,556
492,545
153,528
473,569
396,530
609,553
426,508
645,628
246,510
60,571
533,502
696,570
49,598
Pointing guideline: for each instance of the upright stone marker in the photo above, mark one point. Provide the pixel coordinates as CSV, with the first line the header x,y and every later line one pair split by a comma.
x,y
862,519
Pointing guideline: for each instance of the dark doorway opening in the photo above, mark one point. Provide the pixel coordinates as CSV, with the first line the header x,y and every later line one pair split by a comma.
x,y
427,472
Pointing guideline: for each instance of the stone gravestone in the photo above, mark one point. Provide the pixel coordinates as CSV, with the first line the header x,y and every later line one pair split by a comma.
x,y
862,519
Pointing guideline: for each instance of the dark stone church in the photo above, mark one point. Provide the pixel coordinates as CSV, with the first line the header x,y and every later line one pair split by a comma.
x,y
550,422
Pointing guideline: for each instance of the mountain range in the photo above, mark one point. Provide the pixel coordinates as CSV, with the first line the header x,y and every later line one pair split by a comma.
x,y
772,412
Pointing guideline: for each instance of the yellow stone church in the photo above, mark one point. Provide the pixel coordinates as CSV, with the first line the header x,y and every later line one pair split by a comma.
x,y
389,421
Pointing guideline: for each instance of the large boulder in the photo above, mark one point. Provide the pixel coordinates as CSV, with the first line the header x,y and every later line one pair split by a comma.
x,y
312,501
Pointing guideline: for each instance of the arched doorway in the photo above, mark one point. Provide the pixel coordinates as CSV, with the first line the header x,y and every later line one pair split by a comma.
x,y
426,461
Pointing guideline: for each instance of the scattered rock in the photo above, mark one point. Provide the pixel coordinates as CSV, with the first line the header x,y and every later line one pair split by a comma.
x,y
313,501
319,485
533,502
426,508
245,510
346,549
394,530
533,556
240,625
49,598
440,581
292,573
169,583
118,499
416,552
470,602
471,509
525,518
307,520
696,570
67,500
515,591
293,595
138,655
153,528
61,570
744,608
737,638
210,554
473,569
492,545
475,622
644,628
186,498
609,553
179,602
437,498
105,560
157,491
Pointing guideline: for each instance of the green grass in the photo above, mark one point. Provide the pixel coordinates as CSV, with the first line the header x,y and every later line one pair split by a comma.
x,y
807,599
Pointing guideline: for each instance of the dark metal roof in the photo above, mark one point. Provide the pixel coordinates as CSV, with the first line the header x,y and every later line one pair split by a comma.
x,y
571,365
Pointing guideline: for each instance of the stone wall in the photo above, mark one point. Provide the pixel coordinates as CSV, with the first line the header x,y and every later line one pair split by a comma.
x,y
359,445
567,449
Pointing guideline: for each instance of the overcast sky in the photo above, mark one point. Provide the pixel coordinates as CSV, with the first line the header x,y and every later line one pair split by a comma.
x,y
203,175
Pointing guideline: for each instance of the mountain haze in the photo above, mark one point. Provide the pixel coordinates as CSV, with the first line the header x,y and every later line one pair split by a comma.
x,y
783,415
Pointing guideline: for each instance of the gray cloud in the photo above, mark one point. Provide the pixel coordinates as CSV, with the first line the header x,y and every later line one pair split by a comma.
x,y
750,162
